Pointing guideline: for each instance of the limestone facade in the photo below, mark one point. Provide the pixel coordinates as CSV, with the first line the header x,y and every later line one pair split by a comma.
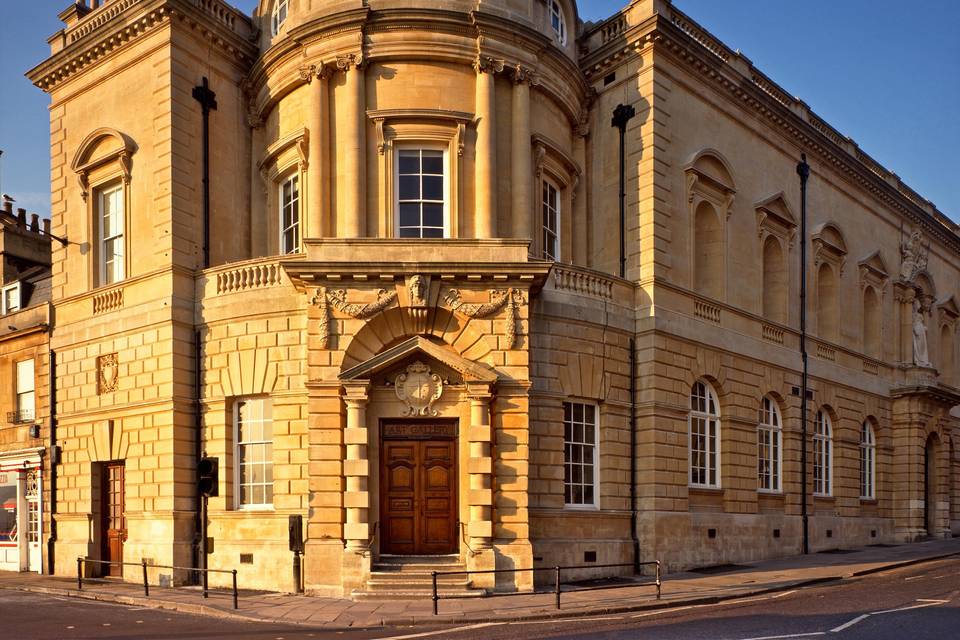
x,y
409,238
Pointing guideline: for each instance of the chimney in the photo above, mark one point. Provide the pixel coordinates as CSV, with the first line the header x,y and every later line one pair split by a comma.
x,y
34,223
46,226
21,217
8,207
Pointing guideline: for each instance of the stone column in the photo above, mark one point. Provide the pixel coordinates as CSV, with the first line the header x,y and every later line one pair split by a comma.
x,y
485,191
352,145
580,224
356,467
520,160
480,528
318,125
904,294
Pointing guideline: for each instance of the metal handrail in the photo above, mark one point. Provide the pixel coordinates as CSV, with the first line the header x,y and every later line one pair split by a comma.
x,y
556,569
146,585
370,541
463,537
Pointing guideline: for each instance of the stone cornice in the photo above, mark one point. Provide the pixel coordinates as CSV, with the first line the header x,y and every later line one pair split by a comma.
x,y
732,74
116,25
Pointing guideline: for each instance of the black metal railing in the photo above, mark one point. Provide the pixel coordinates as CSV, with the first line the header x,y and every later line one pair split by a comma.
x,y
81,561
556,571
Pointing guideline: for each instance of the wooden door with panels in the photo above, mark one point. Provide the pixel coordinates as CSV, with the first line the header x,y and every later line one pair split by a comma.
x,y
113,520
418,488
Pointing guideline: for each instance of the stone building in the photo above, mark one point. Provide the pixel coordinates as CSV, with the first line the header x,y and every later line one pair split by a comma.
x,y
24,401
367,255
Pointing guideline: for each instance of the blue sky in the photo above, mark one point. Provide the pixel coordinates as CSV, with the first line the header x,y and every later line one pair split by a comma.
x,y
884,72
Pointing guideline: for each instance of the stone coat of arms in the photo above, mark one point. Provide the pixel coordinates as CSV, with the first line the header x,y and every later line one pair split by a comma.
x,y
419,388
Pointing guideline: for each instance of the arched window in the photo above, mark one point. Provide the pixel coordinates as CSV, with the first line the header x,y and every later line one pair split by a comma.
x,y
558,23
708,252
774,281
868,462
704,432
769,456
871,323
278,17
822,455
827,326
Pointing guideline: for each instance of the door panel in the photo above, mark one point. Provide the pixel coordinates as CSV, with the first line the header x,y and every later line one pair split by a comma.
x,y
418,496
113,519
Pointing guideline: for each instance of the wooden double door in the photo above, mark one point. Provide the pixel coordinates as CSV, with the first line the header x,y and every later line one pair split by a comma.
x,y
418,489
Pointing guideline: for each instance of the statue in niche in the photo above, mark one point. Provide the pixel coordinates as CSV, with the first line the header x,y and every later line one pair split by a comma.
x,y
921,355
913,257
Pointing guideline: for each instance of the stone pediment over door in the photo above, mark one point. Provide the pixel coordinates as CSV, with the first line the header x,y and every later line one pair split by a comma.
x,y
422,349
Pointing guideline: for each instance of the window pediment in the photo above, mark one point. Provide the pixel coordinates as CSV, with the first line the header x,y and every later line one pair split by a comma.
x,y
278,155
947,310
775,217
102,147
873,271
829,246
709,178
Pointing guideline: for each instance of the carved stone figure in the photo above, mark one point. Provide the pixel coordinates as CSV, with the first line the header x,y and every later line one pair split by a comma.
x,y
913,257
921,355
418,286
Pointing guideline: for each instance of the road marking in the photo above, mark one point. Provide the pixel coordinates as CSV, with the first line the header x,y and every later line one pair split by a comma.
x,y
850,623
914,578
785,593
439,631
793,635
661,612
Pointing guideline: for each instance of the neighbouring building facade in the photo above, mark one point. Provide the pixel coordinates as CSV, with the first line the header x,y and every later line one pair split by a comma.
x,y
366,255
25,316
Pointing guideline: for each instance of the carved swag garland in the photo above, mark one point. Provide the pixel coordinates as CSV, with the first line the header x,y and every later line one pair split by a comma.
x,y
511,299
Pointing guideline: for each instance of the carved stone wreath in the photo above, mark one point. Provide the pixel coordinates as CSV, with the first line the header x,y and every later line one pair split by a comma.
x,y
511,298
418,388
323,299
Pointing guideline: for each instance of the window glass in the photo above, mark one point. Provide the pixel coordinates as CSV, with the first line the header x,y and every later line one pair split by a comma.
x,y
290,216
8,509
822,455
421,193
557,22
551,221
579,454
868,462
111,235
279,16
254,453
704,443
26,406
11,298
768,446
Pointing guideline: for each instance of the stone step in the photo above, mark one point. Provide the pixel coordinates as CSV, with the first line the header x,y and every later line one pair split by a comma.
x,y
444,560
408,594
379,581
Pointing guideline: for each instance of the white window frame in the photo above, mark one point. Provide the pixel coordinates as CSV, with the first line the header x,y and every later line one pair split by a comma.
x,y
868,461
554,210
10,288
120,268
770,435
294,205
823,455
26,389
709,415
446,186
560,28
568,462
238,479
276,19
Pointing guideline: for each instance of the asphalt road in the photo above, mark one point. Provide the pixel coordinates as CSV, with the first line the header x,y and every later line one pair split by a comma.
x,y
915,603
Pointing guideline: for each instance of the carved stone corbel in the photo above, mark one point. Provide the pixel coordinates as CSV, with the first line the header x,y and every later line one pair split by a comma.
x,y
512,299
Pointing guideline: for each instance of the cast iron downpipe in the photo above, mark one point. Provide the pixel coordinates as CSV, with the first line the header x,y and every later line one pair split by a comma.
x,y
803,170
208,103
621,116
53,458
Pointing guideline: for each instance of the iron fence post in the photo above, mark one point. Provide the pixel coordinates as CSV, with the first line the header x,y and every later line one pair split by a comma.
x,y
236,604
436,598
557,577
658,579
146,585
79,573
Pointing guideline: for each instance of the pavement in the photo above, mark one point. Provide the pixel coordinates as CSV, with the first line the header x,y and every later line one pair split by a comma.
x,y
678,589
